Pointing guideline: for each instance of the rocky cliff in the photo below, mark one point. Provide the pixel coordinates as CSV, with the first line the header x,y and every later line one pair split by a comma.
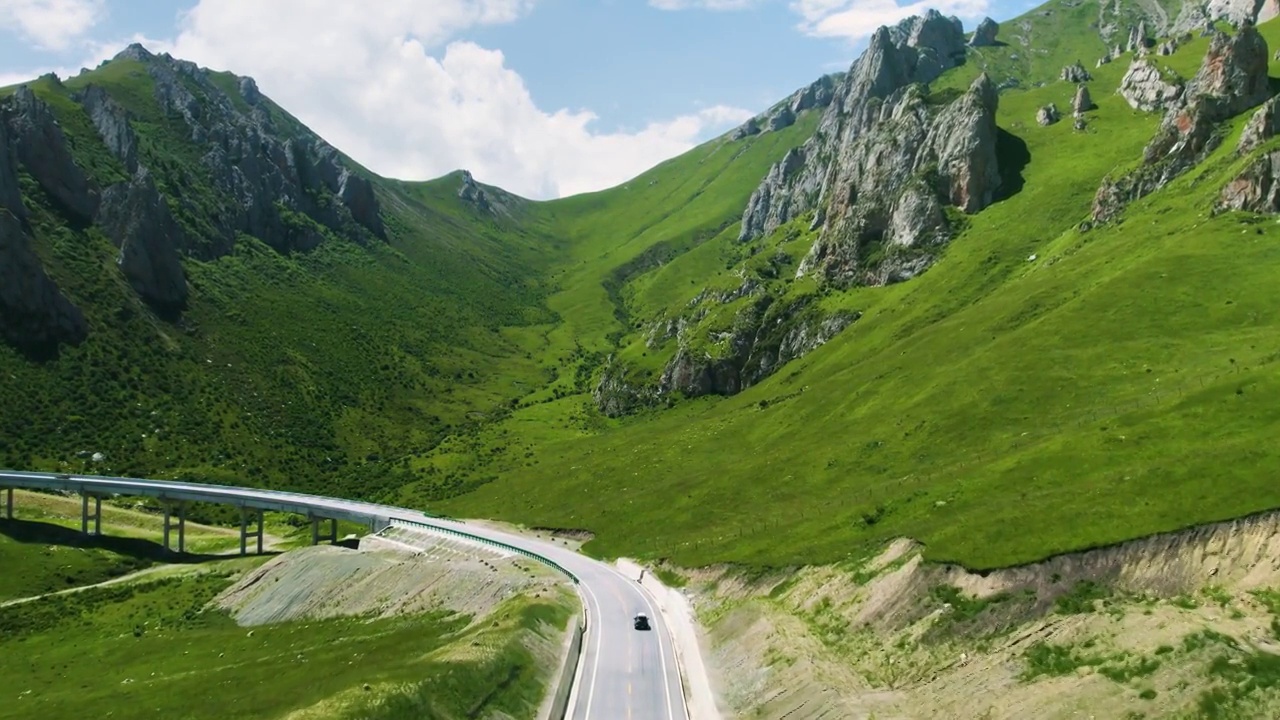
x,y
35,316
257,172
815,96
886,159
1232,78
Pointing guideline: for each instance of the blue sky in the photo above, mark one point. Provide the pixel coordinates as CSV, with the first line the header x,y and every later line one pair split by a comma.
x,y
544,97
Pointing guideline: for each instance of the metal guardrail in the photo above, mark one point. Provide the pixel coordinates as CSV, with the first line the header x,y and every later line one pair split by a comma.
x,y
491,543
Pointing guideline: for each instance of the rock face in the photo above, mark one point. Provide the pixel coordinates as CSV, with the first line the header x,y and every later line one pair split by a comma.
x,y
1238,12
1257,189
1262,126
34,315
815,96
763,338
41,147
270,176
985,34
10,193
1235,70
1145,88
1075,73
1082,101
885,159
112,124
1048,115
1232,78
138,221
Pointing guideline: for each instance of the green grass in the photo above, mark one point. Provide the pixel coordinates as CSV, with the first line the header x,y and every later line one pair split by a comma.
x,y
153,649
996,409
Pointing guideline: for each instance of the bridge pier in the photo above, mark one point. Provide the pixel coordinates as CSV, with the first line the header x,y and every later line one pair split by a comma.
x,y
85,516
331,536
8,504
182,524
244,530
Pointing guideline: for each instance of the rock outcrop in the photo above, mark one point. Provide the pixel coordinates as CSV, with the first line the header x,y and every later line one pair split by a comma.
x,y
985,34
1239,12
885,159
1048,115
1262,126
1257,189
1145,88
271,178
815,96
112,123
1232,78
34,314
41,147
1082,102
1075,73
138,221
10,192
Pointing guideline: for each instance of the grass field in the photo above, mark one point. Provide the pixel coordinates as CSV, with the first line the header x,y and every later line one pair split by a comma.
x,y
150,650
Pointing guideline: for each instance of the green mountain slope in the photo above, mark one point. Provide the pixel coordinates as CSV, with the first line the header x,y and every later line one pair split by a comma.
x,y
632,363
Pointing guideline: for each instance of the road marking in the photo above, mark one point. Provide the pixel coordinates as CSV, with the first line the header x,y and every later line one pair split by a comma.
x,y
662,655
599,631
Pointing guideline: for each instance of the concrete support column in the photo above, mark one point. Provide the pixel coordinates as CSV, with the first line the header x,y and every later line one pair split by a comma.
x,y
182,525
244,530
331,536
8,503
86,516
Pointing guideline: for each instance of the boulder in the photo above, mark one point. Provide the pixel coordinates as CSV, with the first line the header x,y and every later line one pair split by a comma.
x,y
1075,73
1082,101
1048,115
1145,88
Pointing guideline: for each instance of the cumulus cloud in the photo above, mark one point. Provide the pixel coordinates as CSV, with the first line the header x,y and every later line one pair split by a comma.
x,y
857,19
389,84
50,24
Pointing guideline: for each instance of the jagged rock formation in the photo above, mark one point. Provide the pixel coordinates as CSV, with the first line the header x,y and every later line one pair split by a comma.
x,y
138,221
1262,126
1075,73
1048,114
764,337
985,34
884,160
1232,78
1082,102
1238,12
270,177
10,192
1145,88
891,181
815,96
491,201
41,147
34,315
1257,189
1168,47
112,124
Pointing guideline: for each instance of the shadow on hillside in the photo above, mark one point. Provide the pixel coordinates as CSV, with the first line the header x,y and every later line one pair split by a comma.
x,y
1274,84
30,532
1013,156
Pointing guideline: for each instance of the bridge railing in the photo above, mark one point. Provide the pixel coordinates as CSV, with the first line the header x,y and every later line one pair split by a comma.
x,y
401,522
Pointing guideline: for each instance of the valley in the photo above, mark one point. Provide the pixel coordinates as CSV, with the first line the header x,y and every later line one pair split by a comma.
x,y
949,376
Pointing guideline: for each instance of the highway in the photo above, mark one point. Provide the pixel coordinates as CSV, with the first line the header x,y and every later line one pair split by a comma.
x,y
624,674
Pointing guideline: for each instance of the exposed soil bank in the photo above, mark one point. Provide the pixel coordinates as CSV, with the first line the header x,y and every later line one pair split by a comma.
x,y
1172,625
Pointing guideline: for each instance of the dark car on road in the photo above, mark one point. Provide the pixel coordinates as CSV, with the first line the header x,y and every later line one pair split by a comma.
x,y
642,621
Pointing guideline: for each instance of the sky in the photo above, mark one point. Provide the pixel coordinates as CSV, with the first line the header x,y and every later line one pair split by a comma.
x,y
545,98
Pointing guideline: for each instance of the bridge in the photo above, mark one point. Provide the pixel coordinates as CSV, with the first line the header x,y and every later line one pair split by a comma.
x,y
620,673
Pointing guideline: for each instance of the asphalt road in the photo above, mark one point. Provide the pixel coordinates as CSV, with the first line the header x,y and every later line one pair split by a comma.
x,y
624,674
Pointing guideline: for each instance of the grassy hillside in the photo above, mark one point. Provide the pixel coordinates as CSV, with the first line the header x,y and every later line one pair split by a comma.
x,y
1037,391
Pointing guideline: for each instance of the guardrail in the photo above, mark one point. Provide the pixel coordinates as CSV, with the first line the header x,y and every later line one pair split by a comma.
x,y
491,543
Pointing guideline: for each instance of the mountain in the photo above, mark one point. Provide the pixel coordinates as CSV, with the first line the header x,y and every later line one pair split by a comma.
x,y
912,299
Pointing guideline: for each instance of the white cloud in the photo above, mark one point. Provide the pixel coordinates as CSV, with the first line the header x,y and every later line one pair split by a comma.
x,y
50,24
858,19
703,4
386,83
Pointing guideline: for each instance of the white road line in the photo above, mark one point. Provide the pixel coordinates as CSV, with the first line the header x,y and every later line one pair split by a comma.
x,y
599,631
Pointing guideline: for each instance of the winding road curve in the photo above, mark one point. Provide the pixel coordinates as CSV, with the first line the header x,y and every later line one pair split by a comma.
x,y
623,674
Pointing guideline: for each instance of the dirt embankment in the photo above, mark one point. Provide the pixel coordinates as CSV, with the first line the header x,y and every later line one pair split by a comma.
x,y
398,573
1173,625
